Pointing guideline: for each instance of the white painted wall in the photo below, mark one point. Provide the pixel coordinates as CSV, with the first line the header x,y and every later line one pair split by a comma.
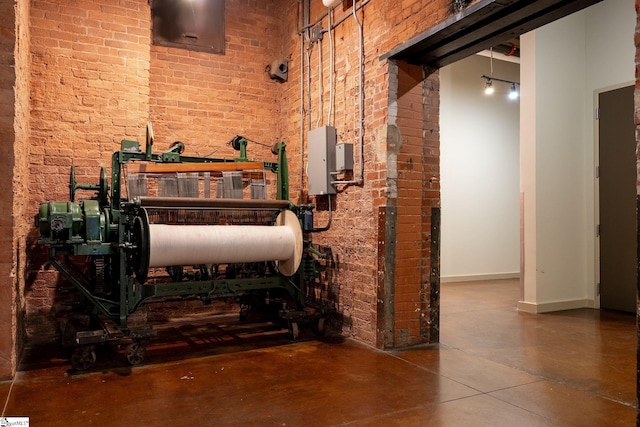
x,y
562,64
528,165
479,167
609,44
610,62
561,270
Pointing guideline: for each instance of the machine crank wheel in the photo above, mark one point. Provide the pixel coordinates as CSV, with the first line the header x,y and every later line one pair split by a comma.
x,y
135,353
83,358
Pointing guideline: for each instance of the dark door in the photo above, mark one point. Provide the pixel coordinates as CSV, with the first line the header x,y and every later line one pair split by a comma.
x,y
617,186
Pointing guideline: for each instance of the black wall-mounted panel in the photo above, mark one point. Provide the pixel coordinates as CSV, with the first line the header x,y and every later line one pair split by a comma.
x,y
189,24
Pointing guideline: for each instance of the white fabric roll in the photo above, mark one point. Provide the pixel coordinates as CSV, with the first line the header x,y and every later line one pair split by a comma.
x,y
218,244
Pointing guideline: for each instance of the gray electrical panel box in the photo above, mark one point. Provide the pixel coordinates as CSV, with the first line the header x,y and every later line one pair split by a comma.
x,y
321,160
344,157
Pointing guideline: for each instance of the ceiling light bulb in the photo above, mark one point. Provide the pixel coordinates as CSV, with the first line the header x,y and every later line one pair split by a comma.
x,y
513,93
488,88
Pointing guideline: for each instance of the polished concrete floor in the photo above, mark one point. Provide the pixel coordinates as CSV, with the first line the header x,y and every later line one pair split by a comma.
x,y
494,367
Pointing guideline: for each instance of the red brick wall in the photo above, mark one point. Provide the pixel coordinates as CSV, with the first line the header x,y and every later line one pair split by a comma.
x,y
89,90
90,87
418,190
8,136
97,80
430,269
205,100
409,271
356,281
637,122
350,286
14,120
21,175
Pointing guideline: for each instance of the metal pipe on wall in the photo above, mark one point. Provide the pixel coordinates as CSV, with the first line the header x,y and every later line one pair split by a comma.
x,y
303,34
320,87
360,180
331,66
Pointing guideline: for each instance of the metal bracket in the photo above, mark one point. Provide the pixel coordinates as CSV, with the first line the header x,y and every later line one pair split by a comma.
x,y
317,33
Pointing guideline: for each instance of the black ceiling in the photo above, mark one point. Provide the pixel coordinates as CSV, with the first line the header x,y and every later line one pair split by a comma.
x,y
482,25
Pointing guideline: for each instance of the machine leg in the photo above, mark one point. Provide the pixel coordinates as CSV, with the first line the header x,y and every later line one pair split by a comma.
x,y
319,327
135,353
83,358
244,311
294,330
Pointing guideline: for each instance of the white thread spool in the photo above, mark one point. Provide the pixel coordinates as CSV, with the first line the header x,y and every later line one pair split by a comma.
x,y
172,245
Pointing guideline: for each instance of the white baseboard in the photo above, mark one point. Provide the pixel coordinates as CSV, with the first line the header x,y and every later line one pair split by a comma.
x,y
547,307
478,277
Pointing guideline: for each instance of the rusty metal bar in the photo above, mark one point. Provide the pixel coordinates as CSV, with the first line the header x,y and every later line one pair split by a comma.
x,y
176,202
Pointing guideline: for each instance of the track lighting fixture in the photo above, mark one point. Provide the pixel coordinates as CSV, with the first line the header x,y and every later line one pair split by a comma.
x,y
514,92
488,88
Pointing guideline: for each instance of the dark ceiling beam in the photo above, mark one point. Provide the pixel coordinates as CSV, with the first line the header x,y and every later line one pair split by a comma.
x,y
484,24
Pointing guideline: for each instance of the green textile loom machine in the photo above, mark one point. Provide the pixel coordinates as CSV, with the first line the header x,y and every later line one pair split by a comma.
x,y
157,232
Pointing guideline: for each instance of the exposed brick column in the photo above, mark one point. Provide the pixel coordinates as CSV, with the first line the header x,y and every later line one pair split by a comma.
x,y
14,129
7,135
637,123
430,266
413,190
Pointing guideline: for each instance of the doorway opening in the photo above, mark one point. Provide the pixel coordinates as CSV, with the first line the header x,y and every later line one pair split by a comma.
x,y
479,169
558,193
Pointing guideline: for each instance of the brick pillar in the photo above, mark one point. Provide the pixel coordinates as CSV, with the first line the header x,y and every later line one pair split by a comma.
x,y
14,111
430,215
405,292
7,136
637,123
